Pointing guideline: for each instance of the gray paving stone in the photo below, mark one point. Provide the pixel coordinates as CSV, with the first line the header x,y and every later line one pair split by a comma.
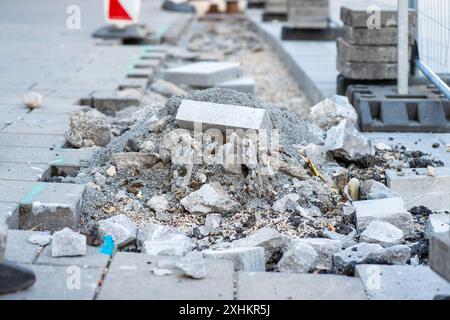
x,y
367,70
294,286
47,206
93,258
60,283
377,37
417,188
130,277
18,249
203,74
221,116
357,15
9,212
407,282
24,171
440,254
35,140
40,124
245,84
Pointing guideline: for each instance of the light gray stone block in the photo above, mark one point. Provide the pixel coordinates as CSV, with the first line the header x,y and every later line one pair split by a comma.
x,y
244,259
68,243
437,223
382,233
221,116
325,248
203,74
418,189
401,282
130,276
54,283
291,286
245,84
440,254
391,210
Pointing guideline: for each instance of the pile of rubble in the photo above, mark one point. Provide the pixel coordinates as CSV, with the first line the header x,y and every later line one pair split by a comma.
x,y
316,211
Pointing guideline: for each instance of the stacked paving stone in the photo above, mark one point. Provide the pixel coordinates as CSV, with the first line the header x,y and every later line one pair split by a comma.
x,y
369,54
276,7
308,14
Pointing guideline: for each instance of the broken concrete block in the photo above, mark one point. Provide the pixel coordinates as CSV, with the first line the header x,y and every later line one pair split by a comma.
x,y
88,128
203,74
167,88
300,258
271,240
193,266
134,160
437,223
121,228
382,233
40,238
398,254
281,205
67,243
209,198
212,223
330,112
357,254
244,259
245,84
344,141
221,116
391,210
325,249
418,189
440,254
373,190
155,239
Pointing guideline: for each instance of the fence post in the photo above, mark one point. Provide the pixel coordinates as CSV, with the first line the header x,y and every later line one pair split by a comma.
x,y
402,47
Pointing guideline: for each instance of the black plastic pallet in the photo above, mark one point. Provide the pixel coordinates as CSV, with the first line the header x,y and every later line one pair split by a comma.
x,y
381,109
342,83
256,5
329,34
269,16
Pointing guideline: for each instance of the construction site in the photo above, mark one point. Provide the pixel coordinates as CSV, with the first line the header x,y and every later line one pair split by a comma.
x,y
225,150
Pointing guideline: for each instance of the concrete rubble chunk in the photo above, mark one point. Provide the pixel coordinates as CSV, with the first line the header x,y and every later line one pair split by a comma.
x,y
88,129
158,203
345,142
212,223
244,259
391,210
357,254
161,240
372,190
68,243
209,198
193,266
330,112
437,223
418,189
221,116
325,248
398,254
300,258
382,233
281,205
244,84
40,238
271,240
121,228
134,160
167,88
203,74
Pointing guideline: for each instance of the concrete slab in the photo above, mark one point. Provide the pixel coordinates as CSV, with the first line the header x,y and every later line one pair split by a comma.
x,y
40,124
45,206
18,249
406,282
9,212
23,171
203,74
418,189
221,116
60,283
35,140
93,258
130,277
295,286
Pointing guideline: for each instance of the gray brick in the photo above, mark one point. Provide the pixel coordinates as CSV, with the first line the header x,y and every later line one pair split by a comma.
x,y
203,74
221,116
292,286
357,16
52,284
367,70
401,282
376,37
130,277
24,171
40,124
417,188
440,254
